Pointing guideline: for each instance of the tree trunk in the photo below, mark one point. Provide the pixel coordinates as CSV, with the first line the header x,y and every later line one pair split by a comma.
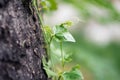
x,y
21,42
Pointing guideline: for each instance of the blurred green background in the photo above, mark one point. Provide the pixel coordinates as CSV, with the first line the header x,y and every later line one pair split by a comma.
x,y
97,32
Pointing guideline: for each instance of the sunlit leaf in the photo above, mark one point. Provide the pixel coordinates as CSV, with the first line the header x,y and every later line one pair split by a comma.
x,y
67,23
68,37
58,29
61,33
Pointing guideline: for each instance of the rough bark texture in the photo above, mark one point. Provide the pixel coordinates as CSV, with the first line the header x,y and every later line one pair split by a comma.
x,y
21,42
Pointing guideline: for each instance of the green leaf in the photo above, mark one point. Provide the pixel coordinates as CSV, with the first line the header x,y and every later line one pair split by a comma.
x,y
59,37
45,4
47,67
53,4
61,33
59,29
67,24
44,62
49,72
48,32
48,29
76,67
68,37
74,74
64,37
68,58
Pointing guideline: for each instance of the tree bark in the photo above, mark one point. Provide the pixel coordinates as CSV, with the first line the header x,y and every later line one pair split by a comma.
x,y
21,42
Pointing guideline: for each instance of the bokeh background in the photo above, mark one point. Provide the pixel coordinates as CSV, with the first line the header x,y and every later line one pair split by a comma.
x,y
96,29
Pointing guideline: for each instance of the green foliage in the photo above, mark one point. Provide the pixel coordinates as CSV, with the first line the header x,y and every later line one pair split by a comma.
x,y
48,5
100,61
47,67
60,34
45,4
103,62
53,4
48,32
73,74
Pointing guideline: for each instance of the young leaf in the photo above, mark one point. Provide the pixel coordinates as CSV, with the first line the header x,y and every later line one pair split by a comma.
x,y
76,67
61,33
68,58
49,72
64,37
68,37
44,4
47,66
58,29
74,74
44,62
48,32
67,24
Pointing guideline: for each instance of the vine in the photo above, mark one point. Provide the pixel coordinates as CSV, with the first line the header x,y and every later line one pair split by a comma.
x,y
60,34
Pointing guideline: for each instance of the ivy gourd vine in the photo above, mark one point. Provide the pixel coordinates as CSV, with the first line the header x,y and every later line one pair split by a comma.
x,y
60,34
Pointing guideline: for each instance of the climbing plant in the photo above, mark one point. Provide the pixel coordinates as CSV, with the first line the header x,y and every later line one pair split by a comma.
x,y
60,34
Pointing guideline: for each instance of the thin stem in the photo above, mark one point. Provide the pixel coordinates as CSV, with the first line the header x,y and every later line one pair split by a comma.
x,y
50,56
49,44
59,77
36,6
62,55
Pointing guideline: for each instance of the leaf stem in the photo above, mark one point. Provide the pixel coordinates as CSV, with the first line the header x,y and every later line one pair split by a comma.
x,y
36,6
59,77
62,55
50,56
